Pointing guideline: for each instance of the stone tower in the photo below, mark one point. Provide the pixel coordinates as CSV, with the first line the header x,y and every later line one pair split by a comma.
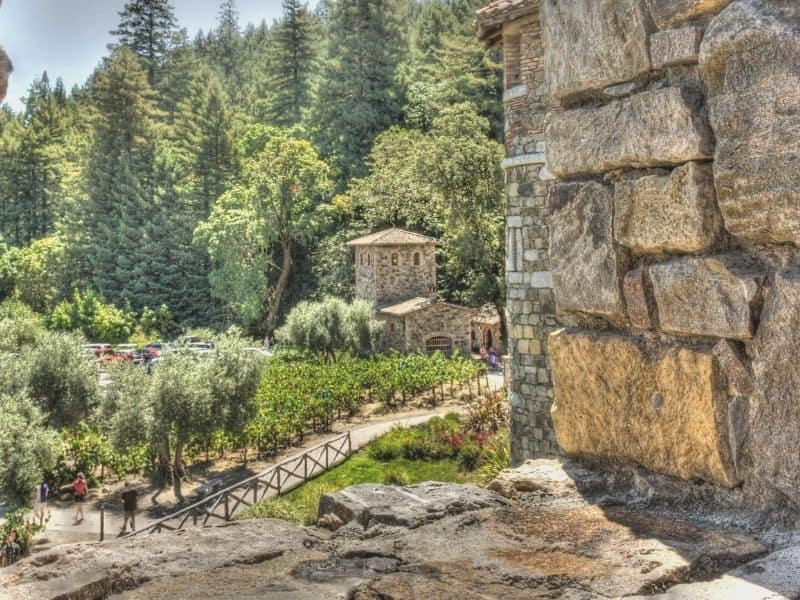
x,y
394,265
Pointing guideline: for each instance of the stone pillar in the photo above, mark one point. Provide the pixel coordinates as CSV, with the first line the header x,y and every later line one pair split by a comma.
x,y
531,307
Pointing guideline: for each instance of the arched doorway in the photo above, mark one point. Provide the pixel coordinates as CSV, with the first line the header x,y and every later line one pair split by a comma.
x,y
441,343
488,339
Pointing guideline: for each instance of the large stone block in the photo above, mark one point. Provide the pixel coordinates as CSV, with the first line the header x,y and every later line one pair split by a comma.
x,y
676,46
587,268
706,296
775,418
675,214
639,299
589,44
663,407
652,129
750,56
668,13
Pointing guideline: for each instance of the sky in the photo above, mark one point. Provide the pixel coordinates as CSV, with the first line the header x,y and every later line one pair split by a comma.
x,y
68,38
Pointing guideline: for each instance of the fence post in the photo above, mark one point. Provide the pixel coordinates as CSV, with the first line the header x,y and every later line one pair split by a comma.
x,y
102,521
478,380
305,466
227,509
194,517
327,460
349,444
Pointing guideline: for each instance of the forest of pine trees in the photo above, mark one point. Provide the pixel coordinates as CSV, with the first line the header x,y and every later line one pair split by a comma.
x,y
219,175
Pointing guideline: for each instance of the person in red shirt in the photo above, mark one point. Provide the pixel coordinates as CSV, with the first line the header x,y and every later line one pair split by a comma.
x,y
79,489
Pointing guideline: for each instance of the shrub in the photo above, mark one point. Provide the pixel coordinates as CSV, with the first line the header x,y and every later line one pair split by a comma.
x,y
496,457
489,414
469,455
394,475
386,448
97,320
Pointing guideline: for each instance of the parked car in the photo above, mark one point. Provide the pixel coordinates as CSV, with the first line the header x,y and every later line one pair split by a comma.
x,y
260,351
154,350
129,352
100,350
201,347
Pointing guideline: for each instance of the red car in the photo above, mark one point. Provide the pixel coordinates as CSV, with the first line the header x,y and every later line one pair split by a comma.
x,y
100,351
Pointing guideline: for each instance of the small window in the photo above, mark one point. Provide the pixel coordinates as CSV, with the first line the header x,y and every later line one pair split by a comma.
x,y
393,327
394,259
362,259
416,259
369,258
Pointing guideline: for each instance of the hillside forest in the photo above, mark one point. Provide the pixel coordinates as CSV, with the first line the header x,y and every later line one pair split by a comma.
x,y
212,179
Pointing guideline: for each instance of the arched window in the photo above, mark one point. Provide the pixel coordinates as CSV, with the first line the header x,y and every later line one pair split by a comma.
x,y
416,259
394,259
362,259
369,258
441,343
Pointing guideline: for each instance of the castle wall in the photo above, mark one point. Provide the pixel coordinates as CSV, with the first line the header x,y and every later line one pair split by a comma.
x,y
531,307
386,274
665,233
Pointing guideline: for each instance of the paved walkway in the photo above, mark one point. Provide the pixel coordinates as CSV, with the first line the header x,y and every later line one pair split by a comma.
x,y
61,528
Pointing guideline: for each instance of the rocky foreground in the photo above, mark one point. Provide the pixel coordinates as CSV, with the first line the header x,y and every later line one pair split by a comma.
x,y
545,530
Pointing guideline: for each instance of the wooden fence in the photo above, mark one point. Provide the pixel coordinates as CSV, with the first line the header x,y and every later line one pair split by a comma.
x,y
221,506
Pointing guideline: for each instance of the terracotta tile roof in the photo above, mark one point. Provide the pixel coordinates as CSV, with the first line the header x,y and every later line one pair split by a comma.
x,y
406,307
491,17
394,237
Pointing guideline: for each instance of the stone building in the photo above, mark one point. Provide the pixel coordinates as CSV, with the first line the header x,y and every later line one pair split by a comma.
x,y
396,272
653,187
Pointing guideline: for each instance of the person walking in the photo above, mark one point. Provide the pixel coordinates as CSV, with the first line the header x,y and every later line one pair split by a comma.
x,y
492,359
79,489
10,551
130,499
40,503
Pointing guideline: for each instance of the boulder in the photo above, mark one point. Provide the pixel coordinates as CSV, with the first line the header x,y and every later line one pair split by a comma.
x,y
750,56
668,13
775,422
652,129
712,296
589,45
674,214
676,46
412,506
621,398
639,302
582,250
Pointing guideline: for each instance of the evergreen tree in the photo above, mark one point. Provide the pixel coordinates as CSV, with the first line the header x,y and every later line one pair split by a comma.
x,y
32,175
226,42
147,27
358,96
120,180
293,64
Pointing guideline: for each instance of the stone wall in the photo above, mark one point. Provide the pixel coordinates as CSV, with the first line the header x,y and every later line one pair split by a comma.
x,y
674,132
439,319
386,274
531,308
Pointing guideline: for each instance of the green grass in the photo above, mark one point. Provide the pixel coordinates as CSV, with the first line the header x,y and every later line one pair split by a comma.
x,y
301,504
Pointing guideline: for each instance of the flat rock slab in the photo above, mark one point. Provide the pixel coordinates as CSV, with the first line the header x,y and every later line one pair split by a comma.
x,y
750,56
555,478
651,129
412,506
621,398
676,46
675,213
582,250
711,296
589,45
549,543
774,577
